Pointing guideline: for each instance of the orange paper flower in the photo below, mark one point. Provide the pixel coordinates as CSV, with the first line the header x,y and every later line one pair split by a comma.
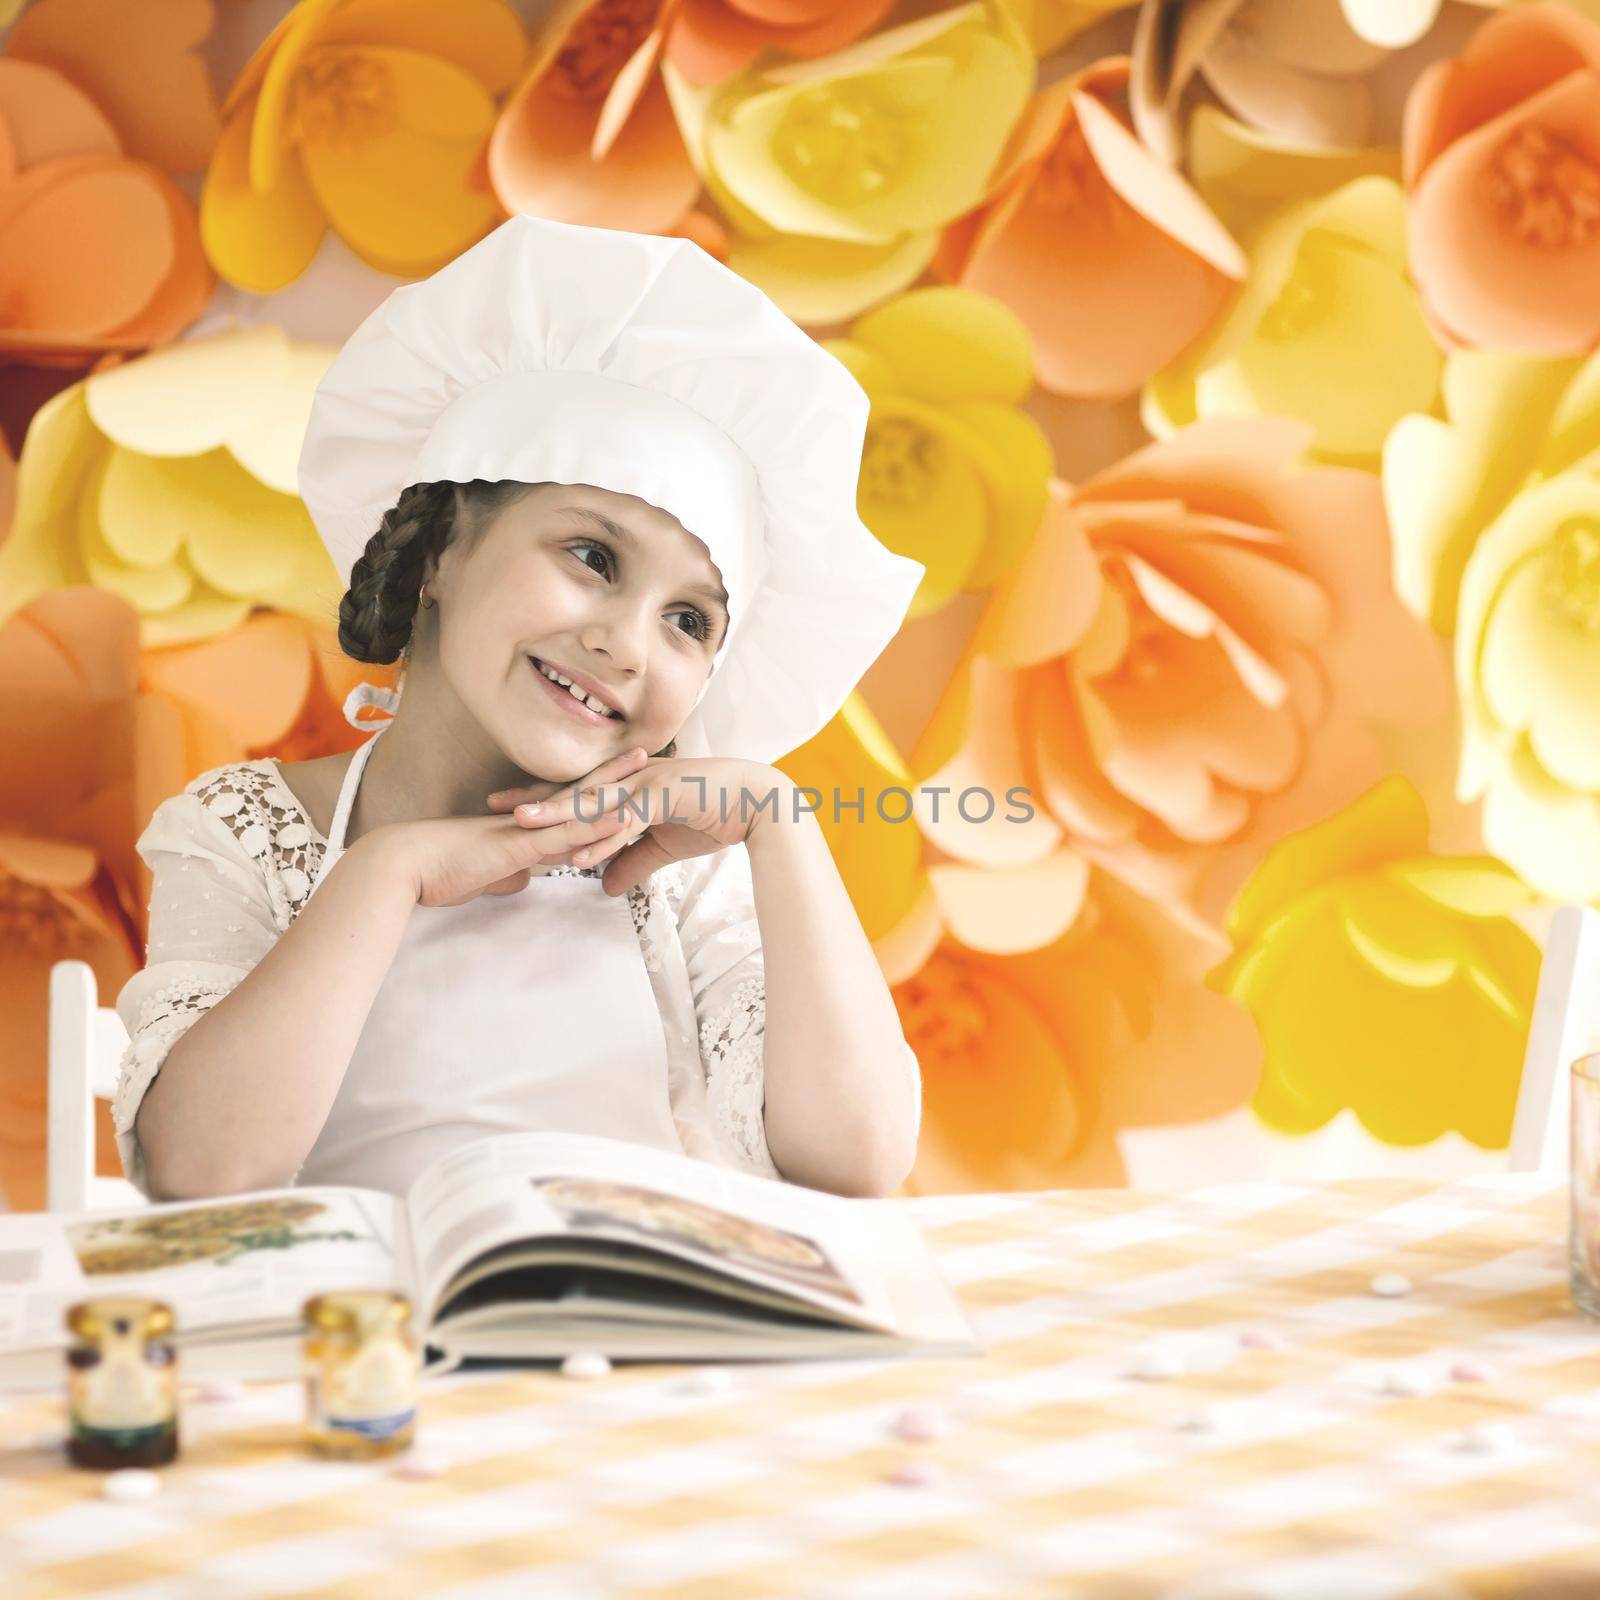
x,y
366,115
1032,1062
1110,258
141,65
98,250
80,775
275,686
1502,159
588,135
1185,665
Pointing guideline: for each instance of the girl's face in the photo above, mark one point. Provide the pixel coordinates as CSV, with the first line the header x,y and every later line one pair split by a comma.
x,y
604,588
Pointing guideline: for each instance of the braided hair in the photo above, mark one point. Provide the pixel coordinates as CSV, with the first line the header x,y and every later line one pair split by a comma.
x,y
378,611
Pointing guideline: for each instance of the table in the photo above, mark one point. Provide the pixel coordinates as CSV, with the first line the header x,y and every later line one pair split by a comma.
x,y
1345,1464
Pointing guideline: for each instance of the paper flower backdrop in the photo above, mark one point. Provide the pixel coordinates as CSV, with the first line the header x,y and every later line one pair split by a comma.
x,y
171,482
367,116
1232,368
1186,665
1384,978
98,250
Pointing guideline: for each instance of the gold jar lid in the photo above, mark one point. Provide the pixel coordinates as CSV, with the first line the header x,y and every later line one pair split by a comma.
x,y
96,1319
355,1310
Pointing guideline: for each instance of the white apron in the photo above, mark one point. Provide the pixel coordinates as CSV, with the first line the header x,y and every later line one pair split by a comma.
x,y
510,1013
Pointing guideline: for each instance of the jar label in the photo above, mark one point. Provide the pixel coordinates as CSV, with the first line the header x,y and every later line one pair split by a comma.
x,y
372,1427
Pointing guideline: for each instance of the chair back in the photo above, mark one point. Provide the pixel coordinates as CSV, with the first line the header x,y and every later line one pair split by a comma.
x,y
86,1046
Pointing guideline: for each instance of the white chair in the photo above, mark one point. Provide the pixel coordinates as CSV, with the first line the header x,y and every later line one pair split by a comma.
x,y
86,1043
1566,1025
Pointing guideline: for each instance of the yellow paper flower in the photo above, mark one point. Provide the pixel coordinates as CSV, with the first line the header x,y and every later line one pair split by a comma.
x,y
1384,978
1495,511
171,481
954,473
1527,654
1327,327
880,861
366,115
837,174
1246,174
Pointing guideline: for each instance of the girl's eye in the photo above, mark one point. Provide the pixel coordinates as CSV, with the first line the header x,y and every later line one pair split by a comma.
x,y
586,545
702,629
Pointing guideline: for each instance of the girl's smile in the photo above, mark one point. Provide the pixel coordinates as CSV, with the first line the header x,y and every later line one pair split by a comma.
x,y
574,706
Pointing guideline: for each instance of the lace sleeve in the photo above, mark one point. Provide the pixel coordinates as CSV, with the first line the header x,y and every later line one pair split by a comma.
x,y
722,950
211,920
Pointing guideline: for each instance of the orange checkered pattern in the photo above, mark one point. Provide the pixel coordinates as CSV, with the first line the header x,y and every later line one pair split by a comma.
x,y
1192,1396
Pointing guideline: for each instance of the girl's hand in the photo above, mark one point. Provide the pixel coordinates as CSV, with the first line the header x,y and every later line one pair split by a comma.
x,y
671,809
452,860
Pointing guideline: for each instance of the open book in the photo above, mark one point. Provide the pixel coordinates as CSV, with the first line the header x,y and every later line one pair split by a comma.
x,y
517,1247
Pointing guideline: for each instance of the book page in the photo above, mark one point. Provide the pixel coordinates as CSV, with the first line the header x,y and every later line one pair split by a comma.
x,y
245,1259
518,1186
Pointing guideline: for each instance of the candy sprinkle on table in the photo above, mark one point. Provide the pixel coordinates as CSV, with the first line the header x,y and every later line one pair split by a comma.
x,y
915,1474
1402,1384
127,1484
916,1423
1390,1284
708,1380
1483,1439
1154,1368
1471,1372
420,1463
1261,1339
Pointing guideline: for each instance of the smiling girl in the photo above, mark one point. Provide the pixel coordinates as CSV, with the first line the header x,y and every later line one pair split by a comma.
x,y
597,495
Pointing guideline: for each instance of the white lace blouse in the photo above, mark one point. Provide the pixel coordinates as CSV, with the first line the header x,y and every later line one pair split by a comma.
x,y
233,858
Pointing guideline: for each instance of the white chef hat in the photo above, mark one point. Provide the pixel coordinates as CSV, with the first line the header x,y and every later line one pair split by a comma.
x,y
555,352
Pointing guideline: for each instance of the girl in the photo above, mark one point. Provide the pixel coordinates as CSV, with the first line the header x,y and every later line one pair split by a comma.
x,y
598,495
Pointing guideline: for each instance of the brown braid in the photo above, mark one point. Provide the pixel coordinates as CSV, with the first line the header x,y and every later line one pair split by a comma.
x,y
379,608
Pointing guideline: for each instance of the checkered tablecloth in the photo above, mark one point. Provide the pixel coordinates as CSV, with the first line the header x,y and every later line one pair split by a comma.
x,y
1346,1463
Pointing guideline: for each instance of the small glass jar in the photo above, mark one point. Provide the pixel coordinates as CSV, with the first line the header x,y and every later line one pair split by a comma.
x,y
122,1384
361,1369
1583,1238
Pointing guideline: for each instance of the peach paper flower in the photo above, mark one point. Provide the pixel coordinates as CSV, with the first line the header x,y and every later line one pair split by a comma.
x,y
710,40
588,134
274,686
1187,664
142,65
368,116
83,770
98,250
1502,162
1112,260
1031,1062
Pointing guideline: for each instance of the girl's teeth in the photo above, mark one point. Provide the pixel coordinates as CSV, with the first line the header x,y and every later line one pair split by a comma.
x,y
578,694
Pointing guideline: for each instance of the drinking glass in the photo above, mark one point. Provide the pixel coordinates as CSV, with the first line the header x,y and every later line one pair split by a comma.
x,y
1583,1246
